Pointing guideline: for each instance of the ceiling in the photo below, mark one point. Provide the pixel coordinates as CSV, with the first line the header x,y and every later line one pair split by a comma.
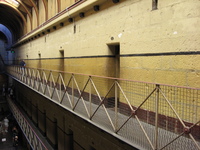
x,y
14,17
3,37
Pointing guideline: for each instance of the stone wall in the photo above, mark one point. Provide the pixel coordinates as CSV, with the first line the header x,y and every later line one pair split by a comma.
x,y
160,46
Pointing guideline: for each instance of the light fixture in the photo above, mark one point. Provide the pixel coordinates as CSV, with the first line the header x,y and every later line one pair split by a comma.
x,y
115,1
82,14
70,19
61,24
96,8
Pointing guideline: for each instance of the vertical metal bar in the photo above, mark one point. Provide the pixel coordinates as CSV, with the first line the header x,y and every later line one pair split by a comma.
x,y
156,119
24,75
18,73
90,96
51,82
116,106
73,91
16,70
59,81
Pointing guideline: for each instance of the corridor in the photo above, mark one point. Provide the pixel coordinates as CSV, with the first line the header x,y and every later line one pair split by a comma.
x,y
100,74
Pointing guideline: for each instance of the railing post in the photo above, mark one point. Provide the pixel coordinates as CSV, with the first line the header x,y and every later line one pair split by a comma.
x,y
156,117
19,75
73,91
90,96
116,106
25,75
59,82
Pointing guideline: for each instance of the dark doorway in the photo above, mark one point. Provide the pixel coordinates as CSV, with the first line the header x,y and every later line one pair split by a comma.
x,y
115,50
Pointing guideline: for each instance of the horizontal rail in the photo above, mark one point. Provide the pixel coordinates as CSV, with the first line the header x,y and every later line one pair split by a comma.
x,y
89,75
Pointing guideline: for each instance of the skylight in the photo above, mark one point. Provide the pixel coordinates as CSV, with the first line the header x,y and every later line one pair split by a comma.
x,y
13,2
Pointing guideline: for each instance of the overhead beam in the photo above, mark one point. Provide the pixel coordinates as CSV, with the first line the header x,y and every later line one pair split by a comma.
x,y
27,11
36,11
46,9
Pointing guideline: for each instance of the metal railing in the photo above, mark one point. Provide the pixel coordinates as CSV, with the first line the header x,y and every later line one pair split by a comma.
x,y
145,115
28,131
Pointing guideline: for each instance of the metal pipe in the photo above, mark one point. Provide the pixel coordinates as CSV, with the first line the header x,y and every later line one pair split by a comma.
x,y
156,119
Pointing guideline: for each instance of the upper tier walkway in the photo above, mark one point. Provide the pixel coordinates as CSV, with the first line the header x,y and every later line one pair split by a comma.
x,y
35,139
145,115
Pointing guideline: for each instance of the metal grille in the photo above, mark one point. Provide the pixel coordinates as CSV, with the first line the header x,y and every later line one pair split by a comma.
x,y
29,133
145,115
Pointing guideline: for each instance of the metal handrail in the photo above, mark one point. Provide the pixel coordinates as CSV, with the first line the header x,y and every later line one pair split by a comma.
x,y
123,104
28,131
